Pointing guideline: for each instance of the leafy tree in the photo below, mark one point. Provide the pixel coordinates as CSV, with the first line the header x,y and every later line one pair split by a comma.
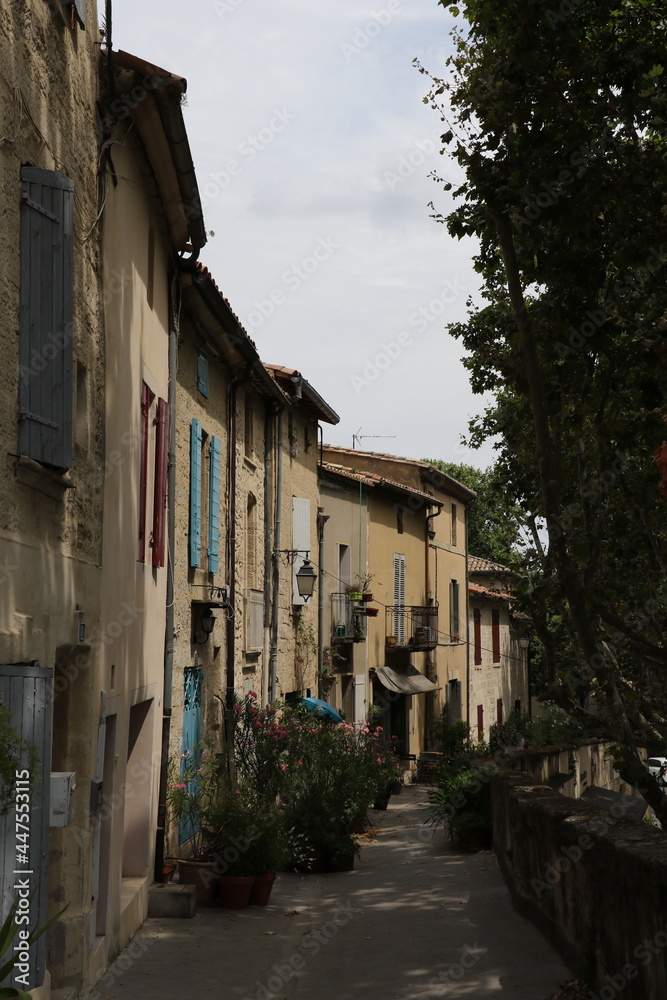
x,y
494,522
558,117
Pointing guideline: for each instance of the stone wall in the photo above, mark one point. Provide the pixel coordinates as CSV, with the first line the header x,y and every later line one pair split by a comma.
x,y
594,882
589,763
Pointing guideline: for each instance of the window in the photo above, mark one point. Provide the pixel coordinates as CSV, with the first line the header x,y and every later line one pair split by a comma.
x,y
398,624
46,317
495,635
202,374
213,552
400,514
146,403
499,711
477,629
344,562
251,543
517,706
196,435
480,722
454,614
255,618
160,487
249,427
454,526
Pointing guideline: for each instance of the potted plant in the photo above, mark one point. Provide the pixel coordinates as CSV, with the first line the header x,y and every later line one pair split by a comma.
x,y
363,584
372,612
340,853
193,795
391,640
233,832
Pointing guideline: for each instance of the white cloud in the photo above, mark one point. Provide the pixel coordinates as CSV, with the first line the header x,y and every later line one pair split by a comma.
x,y
346,166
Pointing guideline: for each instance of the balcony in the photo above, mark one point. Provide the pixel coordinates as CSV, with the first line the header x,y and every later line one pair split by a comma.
x,y
412,628
348,619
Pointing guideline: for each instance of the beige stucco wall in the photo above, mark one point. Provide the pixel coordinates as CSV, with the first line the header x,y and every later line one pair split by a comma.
x,y
491,681
133,593
51,538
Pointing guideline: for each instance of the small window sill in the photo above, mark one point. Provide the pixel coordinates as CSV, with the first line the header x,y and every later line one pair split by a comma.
x,y
40,477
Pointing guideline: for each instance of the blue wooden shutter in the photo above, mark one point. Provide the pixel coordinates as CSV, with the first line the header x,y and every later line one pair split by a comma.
x,y
202,373
195,492
214,507
192,734
46,317
26,693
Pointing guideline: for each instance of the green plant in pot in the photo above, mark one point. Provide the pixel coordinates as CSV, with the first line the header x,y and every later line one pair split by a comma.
x,y
194,783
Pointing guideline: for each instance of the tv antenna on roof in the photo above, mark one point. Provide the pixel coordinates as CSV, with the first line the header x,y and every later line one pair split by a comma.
x,y
362,437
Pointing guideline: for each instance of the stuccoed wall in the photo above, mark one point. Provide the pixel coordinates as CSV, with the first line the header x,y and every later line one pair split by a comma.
x,y
594,882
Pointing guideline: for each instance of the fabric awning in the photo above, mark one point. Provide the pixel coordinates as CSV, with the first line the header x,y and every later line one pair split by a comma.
x,y
406,681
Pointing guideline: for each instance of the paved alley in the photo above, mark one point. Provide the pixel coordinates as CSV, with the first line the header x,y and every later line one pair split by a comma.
x,y
414,920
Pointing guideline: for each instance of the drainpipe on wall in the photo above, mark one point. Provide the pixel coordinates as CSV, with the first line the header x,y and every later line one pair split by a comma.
x,y
269,424
169,622
322,519
273,665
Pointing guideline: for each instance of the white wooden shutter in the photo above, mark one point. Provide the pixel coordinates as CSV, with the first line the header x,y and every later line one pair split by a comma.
x,y
300,541
399,598
359,689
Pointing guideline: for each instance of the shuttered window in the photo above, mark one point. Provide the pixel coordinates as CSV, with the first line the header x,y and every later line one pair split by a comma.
x,y
454,614
480,722
46,317
398,623
202,373
499,711
214,507
160,491
455,533
495,635
300,541
195,491
477,628
255,613
146,400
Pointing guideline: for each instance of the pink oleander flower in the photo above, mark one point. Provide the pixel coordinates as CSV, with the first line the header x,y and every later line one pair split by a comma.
x,y
284,767
251,694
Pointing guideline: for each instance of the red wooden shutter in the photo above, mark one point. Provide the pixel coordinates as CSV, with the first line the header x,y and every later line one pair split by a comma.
x,y
160,491
495,635
477,619
146,397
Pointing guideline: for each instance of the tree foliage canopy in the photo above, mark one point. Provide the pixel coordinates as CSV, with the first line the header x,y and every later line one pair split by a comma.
x,y
558,117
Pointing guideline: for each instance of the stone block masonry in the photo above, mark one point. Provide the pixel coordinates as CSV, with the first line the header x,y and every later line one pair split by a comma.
x,y
594,882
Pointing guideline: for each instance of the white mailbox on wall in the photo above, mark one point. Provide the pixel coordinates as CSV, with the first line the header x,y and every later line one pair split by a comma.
x,y
63,784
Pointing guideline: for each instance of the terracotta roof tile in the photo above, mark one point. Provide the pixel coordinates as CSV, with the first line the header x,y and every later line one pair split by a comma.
x,y
494,595
478,565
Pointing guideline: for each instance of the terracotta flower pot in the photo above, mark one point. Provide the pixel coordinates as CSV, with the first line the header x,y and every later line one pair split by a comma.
x,y
372,612
261,890
367,596
168,869
395,787
201,875
234,891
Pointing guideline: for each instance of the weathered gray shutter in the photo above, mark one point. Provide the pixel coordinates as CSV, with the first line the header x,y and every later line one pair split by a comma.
x,y
25,692
46,317
80,11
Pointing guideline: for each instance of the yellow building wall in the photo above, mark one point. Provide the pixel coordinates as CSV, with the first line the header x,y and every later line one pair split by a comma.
x,y
134,593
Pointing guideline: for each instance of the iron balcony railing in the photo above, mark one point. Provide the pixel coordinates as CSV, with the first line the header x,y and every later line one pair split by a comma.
x,y
348,619
410,627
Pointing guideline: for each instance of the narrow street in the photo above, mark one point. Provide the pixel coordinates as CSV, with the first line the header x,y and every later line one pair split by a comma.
x,y
415,919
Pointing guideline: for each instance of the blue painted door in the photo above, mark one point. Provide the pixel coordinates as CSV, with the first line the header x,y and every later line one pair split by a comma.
x,y
192,732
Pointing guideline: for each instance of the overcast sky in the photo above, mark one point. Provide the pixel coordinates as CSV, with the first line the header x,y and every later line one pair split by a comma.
x,y
312,146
